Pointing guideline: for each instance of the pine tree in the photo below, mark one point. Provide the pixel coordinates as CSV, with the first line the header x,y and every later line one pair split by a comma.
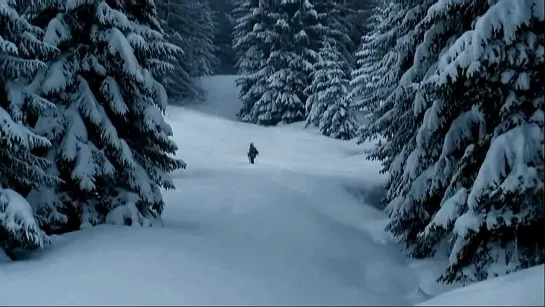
x,y
328,105
223,28
463,132
110,141
189,25
391,117
279,65
356,15
252,38
366,91
376,86
202,40
243,25
337,26
400,120
21,53
494,133
178,23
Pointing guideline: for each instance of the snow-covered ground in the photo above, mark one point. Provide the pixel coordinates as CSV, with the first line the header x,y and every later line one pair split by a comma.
x,y
300,227
523,288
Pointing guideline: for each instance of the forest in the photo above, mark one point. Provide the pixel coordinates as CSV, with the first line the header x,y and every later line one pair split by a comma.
x,y
450,92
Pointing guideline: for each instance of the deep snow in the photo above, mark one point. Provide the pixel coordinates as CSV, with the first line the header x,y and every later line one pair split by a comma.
x,y
300,227
523,288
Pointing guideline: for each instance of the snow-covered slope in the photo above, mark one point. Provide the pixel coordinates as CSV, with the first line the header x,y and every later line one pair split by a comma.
x,y
523,288
298,228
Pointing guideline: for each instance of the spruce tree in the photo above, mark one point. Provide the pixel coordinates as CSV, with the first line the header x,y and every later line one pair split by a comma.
x,y
202,40
366,90
337,26
189,25
400,120
223,29
243,25
20,168
463,131
111,144
252,37
287,36
391,116
178,23
491,183
355,15
328,105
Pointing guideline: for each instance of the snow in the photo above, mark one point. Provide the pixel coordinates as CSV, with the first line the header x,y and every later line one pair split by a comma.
x,y
16,218
300,227
14,134
449,210
523,288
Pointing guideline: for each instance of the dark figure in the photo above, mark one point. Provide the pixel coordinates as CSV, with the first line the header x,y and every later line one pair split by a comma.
x,y
252,153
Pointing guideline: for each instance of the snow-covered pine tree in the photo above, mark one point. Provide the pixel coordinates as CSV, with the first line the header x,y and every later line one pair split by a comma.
x,y
21,52
274,88
299,38
223,29
289,35
395,40
355,15
202,40
111,143
374,45
252,39
189,25
489,174
391,113
336,25
178,22
400,117
468,174
328,105
243,25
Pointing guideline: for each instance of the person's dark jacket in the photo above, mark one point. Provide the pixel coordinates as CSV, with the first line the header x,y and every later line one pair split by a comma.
x,y
252,152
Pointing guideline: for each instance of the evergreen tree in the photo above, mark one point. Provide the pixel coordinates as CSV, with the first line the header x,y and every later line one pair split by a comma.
x,y
463,130
111,144
251,41
375,83
21,53
189,25
488,171
243,25
337,27
355,15
367,91
328,105
391,116
224,22
287,35
178,23
202,40
398,123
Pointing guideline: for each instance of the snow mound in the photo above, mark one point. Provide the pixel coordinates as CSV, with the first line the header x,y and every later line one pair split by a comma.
x,y
523,288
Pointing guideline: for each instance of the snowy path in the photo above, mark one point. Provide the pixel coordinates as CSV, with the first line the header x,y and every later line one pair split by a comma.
x,y
288,221
296,228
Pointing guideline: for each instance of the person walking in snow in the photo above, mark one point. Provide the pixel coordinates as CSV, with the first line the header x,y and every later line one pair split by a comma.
x,y
252,153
